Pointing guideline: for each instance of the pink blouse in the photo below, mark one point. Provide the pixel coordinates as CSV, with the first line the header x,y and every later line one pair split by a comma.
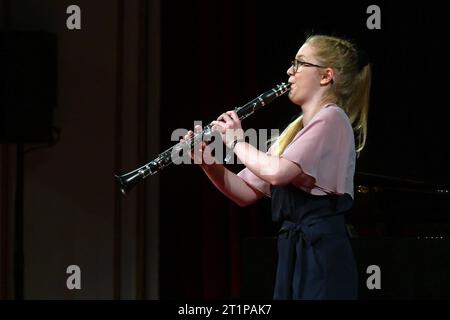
x,y
325,152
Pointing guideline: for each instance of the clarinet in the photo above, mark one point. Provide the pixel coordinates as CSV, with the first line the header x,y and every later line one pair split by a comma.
x,y
127,181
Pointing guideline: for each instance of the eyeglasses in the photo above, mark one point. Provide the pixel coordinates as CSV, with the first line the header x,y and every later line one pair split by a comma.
x,y
296,63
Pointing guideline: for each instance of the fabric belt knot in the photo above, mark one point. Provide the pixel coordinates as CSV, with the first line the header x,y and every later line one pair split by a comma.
x,y
300,230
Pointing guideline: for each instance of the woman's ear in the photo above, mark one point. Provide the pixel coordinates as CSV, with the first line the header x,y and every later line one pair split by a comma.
x,y
327,76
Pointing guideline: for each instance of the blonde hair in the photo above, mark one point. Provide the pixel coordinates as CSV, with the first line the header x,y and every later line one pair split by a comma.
x,y
350,88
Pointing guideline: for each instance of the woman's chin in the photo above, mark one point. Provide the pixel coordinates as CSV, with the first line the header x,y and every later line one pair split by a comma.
x,y
295,99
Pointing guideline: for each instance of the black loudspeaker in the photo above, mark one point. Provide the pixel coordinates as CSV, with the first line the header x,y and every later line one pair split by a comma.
x,y
410,268
28,86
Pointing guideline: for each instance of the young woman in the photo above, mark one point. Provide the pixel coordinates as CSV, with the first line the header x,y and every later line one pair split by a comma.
x,y
308,172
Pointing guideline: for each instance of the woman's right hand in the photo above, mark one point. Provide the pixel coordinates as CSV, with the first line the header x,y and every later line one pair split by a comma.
x,y
202,154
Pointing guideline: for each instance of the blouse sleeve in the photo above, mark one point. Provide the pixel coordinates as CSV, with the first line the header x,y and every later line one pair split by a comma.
x,y
254,181
324,151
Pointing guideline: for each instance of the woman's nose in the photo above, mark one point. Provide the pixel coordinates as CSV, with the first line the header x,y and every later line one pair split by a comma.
x,y
289,71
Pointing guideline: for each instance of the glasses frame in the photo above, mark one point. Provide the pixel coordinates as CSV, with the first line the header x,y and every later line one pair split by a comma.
x,y
296,63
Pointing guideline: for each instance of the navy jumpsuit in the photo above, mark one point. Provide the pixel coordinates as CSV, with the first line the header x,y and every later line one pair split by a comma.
x,y
315,258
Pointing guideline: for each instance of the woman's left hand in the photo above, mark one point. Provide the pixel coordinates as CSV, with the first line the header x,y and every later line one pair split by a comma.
x,y
229,127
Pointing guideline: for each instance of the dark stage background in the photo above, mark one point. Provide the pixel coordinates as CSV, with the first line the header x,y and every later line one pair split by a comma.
x,y
139,69
219,55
